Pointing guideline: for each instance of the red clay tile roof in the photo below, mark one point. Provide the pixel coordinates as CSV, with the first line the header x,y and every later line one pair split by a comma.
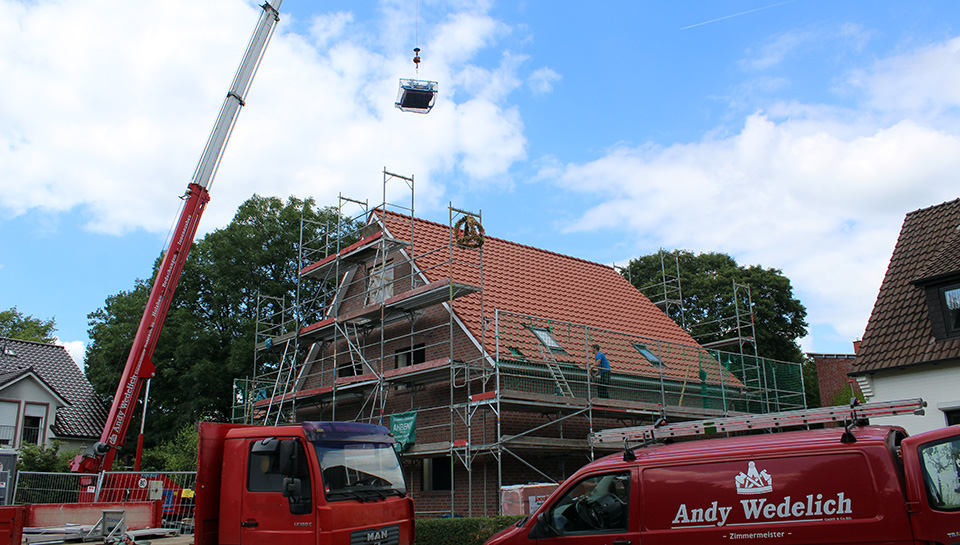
x,y
899,332
527,280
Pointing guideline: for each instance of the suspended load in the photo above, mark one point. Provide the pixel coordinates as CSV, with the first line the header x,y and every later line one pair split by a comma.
x,y
416,95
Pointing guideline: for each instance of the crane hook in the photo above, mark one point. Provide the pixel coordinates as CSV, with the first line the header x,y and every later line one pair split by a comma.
x,y
416,58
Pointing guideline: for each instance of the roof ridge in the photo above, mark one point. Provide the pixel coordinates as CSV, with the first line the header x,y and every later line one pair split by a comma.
x,y
505,241
32,342
931,207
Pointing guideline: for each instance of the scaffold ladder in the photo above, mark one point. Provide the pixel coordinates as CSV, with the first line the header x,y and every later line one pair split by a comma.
x,y
556,373
784,419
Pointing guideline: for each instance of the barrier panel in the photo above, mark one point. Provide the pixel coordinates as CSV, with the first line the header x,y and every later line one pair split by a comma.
x,y
172,491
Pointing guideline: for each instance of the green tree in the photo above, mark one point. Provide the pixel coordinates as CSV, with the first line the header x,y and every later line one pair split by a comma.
x,y
709,312
15,325
44,458
177,454
208,337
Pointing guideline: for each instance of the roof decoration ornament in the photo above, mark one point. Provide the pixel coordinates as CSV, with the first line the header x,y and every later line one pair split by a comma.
x,y
469,232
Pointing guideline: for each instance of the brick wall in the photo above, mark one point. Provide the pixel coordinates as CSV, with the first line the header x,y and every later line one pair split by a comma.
x,y
832,376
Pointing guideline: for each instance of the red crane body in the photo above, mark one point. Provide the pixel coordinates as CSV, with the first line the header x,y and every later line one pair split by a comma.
x,y
139,366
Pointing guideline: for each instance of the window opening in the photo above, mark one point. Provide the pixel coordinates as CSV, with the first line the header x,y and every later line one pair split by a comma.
x,y
515,352
950,297
379,283
31,429
648,354
546,338
952,417
436,474
411,356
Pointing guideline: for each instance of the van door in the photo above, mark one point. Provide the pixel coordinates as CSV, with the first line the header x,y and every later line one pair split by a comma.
x,y
595,510
932,465
276,503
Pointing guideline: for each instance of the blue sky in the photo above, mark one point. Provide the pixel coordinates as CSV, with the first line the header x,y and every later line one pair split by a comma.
x,y
794,135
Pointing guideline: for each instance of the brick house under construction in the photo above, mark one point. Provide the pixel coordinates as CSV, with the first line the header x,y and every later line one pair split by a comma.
x,y
486,343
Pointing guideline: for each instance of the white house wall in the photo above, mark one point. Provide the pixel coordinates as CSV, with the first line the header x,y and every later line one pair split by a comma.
x,y
31,397
936,384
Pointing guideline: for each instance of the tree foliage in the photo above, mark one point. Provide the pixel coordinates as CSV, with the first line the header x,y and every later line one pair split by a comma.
x,y
44,458
15,325
176,454
208,337
709,311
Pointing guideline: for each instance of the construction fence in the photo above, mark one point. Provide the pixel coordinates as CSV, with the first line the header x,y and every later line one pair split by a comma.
x,y
174,488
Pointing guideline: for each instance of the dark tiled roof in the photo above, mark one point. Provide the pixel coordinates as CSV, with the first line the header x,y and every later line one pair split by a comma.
x,y
899,332
527,280
945,263
86,415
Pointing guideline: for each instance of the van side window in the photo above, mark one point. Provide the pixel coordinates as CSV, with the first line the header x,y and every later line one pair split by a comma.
x,y
940,462
596,504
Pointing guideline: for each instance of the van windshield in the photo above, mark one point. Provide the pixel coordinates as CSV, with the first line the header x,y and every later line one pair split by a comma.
x,y
359,470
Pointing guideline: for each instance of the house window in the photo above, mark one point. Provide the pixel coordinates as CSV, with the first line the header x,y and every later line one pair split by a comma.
x,y
8,415
950,298
647,353
952,416
436,474
379,283
411,356
32,425
545,337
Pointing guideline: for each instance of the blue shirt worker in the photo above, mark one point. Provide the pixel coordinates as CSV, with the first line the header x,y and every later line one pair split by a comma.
x,y
600,369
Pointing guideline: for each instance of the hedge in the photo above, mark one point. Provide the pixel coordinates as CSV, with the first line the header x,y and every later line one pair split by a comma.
x,y
460,531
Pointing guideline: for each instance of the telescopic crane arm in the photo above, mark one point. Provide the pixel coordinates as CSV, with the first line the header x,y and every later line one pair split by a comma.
x,y
139,366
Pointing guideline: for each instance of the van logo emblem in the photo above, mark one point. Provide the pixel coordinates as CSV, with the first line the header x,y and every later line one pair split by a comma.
x,y
754,481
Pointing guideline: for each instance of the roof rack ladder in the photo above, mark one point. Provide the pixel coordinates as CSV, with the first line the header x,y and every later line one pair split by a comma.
x,y
784,419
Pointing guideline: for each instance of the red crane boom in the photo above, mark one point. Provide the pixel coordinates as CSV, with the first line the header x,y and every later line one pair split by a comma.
x,y
139,366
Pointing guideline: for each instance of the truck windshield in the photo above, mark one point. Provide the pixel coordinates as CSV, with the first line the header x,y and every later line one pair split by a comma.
x,y
359,470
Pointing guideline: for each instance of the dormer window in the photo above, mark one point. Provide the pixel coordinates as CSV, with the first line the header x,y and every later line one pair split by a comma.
x,y
950,301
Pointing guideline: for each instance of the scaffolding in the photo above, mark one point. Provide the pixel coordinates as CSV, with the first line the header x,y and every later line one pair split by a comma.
x,y
390,319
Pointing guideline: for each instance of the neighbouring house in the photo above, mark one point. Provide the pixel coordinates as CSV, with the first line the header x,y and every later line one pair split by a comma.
x,y
476,351
911,347
833,377
44,397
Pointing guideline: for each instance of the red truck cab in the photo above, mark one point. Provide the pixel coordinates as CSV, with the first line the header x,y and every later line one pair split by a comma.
x,y
864,485
304,484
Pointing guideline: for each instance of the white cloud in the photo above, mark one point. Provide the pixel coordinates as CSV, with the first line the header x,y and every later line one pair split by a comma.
x,y
117,130
819,193
541,81
76,349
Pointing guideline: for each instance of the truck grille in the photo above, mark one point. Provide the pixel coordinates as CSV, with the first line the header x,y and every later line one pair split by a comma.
x,y
388,535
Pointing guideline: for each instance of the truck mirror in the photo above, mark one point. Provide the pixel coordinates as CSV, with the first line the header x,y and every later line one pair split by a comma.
x,y
288,457
266,446
292,488
542,528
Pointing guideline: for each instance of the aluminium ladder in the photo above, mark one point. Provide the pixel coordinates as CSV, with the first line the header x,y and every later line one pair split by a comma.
x,y
784,419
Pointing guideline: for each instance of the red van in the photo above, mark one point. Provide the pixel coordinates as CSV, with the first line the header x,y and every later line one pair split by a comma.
x,y
859,484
